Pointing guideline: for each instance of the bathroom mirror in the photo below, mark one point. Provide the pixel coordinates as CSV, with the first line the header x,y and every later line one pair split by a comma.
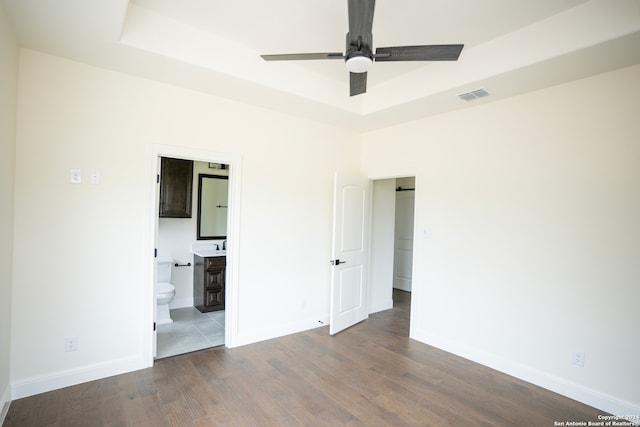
x,y
213,199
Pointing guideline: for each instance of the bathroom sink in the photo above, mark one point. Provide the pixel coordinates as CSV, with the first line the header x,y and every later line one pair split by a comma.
x,y
206,250
205,253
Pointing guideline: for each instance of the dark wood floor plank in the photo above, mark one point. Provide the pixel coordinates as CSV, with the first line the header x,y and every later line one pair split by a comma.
x,y
369,375
339,388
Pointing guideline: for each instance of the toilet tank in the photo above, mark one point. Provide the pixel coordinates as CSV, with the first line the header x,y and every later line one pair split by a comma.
x,y
163,263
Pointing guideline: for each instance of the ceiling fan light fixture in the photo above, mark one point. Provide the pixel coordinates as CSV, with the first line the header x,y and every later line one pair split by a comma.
x,y
359,64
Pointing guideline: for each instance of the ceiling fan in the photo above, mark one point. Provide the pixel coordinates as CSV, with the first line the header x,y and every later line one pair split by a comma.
x,y
359,56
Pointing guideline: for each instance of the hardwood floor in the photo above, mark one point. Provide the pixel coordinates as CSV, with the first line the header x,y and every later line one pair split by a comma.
x,y
369,375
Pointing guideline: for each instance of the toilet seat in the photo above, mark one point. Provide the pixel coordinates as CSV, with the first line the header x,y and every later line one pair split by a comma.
x,y
164,287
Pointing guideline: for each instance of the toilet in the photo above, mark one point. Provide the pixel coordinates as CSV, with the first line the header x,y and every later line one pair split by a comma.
x,y
165,291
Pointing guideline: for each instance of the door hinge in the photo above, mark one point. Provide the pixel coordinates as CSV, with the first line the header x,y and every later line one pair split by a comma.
x,y
155,252
154,326
158,179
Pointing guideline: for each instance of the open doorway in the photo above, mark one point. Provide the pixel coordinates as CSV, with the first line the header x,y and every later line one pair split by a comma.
x,y
403,244
189,324
392,230
193,208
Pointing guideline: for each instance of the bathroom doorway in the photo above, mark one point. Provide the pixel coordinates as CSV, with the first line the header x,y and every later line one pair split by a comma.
x,y
189,326
191,329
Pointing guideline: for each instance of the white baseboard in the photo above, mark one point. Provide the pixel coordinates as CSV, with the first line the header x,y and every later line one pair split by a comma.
x,y
282,330
559,385
5,402
60,379
386,305
402,284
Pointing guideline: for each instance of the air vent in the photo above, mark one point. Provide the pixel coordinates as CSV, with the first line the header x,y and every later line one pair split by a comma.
x,y
467,96
474,94
479,93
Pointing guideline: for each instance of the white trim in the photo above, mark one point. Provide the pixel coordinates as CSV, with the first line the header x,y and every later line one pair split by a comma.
x,y
56,380
283,330
233,235
386,305
586,395
5,402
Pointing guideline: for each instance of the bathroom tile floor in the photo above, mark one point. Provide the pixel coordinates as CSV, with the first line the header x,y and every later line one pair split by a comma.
x,y
190,331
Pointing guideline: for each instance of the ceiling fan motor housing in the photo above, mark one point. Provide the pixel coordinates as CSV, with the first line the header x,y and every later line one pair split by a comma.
x,y
358,53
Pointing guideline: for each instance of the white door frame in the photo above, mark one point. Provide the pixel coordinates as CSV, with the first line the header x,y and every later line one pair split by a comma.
x,y
403,244
415,290
233,241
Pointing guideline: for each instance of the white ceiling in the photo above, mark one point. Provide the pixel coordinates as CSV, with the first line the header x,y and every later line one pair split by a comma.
x,y
511,47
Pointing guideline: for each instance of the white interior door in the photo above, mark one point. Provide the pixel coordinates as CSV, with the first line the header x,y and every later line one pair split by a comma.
x,y
350,254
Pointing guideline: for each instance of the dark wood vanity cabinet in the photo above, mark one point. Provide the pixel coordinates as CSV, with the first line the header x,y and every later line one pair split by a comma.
x,y
209,283
176,182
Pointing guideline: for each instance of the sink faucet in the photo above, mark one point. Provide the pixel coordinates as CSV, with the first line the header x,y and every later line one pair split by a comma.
x,y
224,245
217,246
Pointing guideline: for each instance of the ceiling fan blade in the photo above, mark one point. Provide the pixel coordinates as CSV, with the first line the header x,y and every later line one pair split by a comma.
x,y
302,56
436,52
357,83
360,22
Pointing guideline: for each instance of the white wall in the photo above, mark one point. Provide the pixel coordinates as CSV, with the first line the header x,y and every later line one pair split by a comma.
x,y
528,233
8,98
81,251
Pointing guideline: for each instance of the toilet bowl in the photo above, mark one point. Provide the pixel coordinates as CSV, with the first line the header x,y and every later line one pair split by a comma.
x,y
165,291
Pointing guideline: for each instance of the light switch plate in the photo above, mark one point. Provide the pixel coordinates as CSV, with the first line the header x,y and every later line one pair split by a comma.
x,y
74,176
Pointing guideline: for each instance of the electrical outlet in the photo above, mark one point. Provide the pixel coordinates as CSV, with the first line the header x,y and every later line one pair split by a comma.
x,y
577,358
70,343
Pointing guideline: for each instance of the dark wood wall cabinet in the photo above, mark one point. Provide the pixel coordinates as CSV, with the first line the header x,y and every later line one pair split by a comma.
x,y
209,283
176,183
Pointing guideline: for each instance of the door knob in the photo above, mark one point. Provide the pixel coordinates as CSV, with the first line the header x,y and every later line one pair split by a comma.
x,y
337,262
